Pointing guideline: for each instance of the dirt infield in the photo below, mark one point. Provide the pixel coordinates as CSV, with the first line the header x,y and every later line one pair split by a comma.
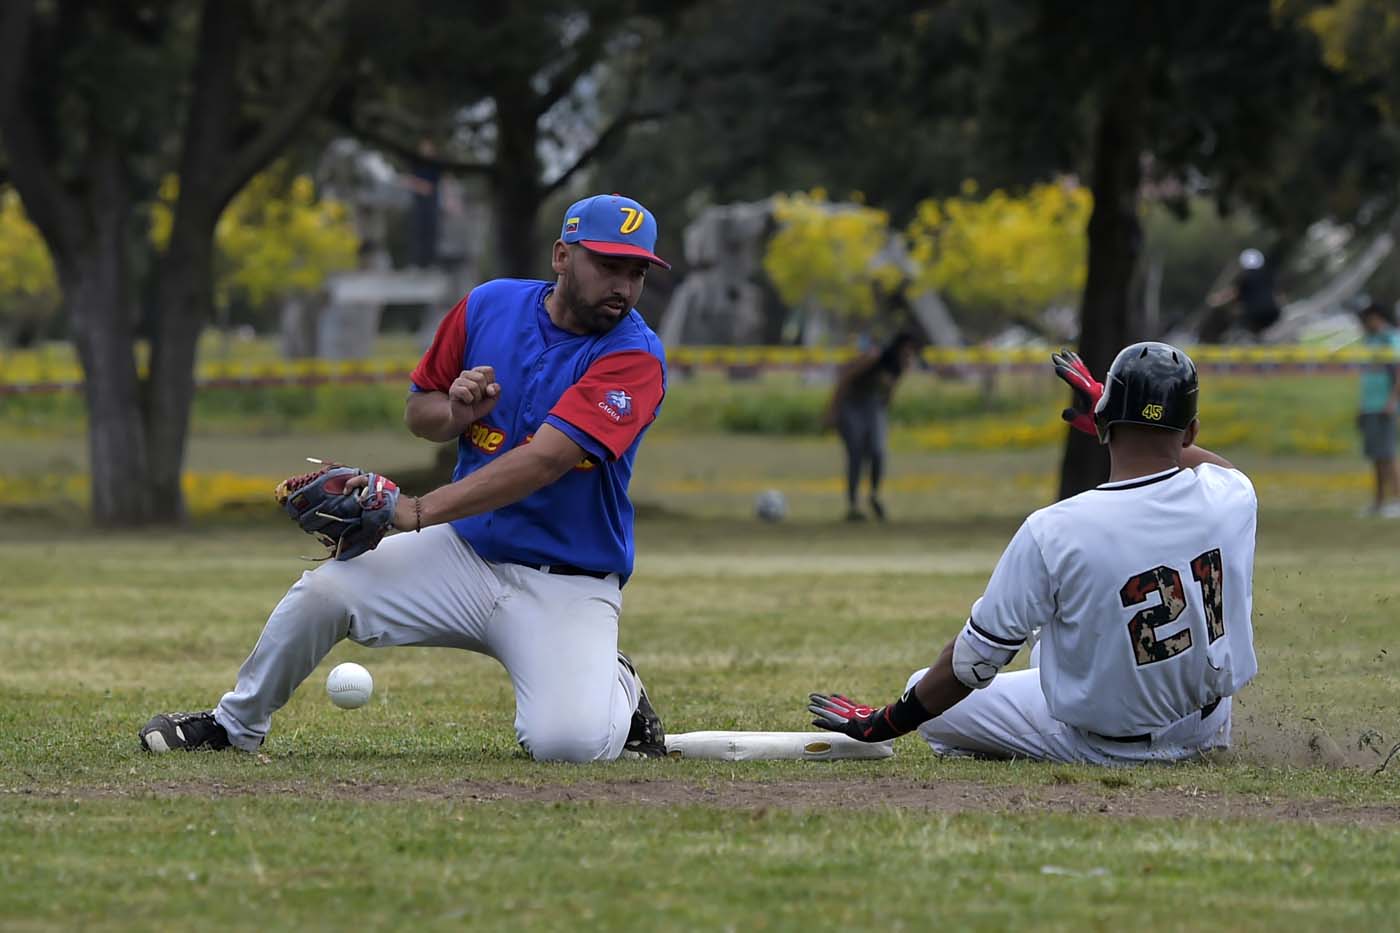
x,y
952,797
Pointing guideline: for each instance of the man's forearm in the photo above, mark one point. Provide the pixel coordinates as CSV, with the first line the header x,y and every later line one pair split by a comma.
x,y
514,476
940,690
435,417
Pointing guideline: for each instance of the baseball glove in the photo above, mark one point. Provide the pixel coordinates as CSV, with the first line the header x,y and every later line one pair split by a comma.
x,y
347,523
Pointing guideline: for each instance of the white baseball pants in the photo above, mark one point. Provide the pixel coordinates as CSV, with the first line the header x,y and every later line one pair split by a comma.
x,y
555,635
1009,718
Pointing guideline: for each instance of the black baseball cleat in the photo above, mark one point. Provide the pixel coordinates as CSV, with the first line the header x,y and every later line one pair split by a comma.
x,y
188,731
647,737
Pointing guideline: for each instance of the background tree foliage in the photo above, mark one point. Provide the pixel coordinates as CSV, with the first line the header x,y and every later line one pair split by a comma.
x,y
1004,254
828,257
275,238
28,289
524,96
1343,165
879,98
999,257
1360,37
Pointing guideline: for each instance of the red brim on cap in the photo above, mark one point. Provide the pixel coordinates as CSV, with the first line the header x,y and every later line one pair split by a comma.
x,y
605,248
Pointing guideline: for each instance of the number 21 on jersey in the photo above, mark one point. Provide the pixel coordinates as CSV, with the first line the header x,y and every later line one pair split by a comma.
x,y
1207,570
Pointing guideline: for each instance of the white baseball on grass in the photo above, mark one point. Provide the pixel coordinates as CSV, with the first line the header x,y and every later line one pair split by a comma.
x,y
349,685
770,505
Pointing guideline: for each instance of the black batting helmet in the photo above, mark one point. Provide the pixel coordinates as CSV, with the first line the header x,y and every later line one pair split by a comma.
x,y
1149,383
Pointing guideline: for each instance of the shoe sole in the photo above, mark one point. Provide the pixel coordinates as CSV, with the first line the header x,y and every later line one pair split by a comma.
x,y
154,742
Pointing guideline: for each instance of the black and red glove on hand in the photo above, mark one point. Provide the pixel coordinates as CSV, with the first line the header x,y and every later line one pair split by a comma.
x,y
865,723
1087,389
348,522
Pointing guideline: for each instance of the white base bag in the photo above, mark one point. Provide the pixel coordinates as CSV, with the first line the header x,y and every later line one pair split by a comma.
x,y
773,746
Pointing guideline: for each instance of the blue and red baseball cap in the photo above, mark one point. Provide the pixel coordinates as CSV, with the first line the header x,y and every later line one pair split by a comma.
x,y
611,225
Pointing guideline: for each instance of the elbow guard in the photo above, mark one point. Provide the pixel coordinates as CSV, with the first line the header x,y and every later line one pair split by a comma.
x,y
977,660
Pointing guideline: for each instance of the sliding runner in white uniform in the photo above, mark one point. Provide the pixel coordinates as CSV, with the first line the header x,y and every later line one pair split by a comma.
x,y
1140,590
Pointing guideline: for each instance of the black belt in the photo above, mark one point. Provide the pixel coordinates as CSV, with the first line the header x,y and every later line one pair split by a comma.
x,y
1147,736
569,570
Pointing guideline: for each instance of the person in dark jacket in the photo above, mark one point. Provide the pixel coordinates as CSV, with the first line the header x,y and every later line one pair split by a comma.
x,y
859,411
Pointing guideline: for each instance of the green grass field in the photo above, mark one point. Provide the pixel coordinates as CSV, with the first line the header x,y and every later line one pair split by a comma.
x,y
419,812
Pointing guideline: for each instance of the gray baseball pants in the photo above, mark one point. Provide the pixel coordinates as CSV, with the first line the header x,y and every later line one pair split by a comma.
x,y
555,635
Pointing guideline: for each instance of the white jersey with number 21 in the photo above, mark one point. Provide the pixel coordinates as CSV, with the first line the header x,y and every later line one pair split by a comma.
x,y
1142,591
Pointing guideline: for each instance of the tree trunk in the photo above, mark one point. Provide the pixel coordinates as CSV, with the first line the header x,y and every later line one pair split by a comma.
x,y
116,434
1115,242
214,165
516,191
97,295
514,209
15,19
182,308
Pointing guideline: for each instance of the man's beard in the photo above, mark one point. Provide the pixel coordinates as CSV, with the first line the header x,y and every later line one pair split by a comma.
x,y
594,318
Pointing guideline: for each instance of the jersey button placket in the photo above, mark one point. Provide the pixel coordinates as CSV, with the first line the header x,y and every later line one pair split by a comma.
x,y
527,405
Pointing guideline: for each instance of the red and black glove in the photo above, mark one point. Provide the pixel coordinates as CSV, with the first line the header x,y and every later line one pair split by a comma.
x,y
864,723
1087,389
347,522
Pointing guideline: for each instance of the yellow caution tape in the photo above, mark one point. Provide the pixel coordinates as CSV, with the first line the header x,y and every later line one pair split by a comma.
x,y
20,374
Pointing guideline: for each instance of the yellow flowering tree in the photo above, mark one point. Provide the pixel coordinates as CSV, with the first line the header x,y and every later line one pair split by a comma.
x,y
275,238
825,257
1003,253
1357,36
28,290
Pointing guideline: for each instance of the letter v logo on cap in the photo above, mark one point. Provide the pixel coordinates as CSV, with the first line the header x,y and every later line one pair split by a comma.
x,y
633,221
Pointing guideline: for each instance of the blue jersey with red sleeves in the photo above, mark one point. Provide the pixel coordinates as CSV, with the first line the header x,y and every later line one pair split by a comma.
x,y
602,390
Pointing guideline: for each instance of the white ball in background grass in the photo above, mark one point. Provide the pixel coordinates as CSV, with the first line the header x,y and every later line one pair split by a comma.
x,y
349,685
771,505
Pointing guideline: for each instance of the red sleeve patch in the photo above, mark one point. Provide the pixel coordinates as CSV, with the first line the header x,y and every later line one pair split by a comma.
x,y
615,400
442,362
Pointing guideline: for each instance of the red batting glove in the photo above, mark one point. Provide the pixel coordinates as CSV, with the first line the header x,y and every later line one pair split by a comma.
x,y
844,715
1087,390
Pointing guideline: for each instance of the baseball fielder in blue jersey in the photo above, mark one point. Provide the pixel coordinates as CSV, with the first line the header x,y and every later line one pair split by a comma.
x,y
548,388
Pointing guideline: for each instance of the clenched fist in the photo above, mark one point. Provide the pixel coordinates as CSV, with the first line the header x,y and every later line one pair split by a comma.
x,y
477,391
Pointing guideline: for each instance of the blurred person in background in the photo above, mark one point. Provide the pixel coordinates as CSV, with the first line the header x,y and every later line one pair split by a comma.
x,y
859,410
1248,302
1380,393
423,181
